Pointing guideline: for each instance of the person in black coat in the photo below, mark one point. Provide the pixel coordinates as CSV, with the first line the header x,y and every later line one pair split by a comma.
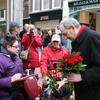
x,y
25,29
47,39
87,42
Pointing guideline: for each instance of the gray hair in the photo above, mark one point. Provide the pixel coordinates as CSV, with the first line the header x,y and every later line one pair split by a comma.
x,y
70,21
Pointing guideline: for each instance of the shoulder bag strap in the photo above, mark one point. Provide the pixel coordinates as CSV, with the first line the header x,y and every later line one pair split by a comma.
x,y
30,44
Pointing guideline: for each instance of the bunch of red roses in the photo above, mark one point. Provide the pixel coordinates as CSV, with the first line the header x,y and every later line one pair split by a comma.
x,y
71,63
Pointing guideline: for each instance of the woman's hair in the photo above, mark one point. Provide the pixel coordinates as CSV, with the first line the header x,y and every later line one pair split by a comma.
x,y
32,27
9,40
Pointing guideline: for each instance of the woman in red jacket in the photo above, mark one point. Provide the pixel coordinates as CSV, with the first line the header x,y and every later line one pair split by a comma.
x,y
33,39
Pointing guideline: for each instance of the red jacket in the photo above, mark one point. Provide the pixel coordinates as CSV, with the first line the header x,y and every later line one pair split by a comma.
x,y
48,54
33,56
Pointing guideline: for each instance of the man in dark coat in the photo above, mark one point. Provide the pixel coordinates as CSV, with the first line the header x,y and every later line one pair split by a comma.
x,y
25,29
47,39
87,42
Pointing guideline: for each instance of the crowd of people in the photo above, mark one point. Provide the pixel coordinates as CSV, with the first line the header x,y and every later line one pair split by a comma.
x,y
84,40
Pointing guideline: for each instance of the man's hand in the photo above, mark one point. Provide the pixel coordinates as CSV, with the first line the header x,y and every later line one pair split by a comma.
x,y
74,77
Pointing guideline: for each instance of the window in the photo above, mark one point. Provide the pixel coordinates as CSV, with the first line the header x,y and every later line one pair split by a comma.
x,y
56,4
2,15
25,11
36,5
51,24
45,4
25,8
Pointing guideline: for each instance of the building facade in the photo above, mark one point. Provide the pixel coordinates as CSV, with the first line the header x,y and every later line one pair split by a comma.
x,y
46,14
10,10
87,12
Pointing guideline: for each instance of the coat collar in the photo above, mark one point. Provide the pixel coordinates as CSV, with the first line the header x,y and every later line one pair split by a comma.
x,y
7,53
80,38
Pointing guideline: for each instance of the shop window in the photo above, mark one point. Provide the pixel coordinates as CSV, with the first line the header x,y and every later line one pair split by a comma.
x,y
46,26
75,9
79,8
92,21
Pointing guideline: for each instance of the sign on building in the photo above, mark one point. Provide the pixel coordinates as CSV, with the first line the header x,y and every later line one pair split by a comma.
x,y
57,29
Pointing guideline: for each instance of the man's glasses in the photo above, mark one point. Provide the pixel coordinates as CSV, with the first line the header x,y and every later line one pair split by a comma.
x,y
64,34
16,46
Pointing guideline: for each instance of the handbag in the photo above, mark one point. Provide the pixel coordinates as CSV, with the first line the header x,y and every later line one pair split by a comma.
x,y
24,53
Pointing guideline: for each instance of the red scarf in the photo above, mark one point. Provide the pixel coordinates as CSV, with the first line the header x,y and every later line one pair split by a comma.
x,y
81,29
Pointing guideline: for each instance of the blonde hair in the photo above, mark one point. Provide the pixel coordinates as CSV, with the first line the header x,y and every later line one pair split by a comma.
x,y
32,27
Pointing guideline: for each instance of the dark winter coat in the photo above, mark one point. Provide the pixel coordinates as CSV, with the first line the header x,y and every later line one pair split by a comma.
x,y
47,40
10,64
88,43
22,32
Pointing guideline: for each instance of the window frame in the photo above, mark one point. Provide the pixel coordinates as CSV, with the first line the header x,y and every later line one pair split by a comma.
x,y
43,5
34,6
53,1
3,18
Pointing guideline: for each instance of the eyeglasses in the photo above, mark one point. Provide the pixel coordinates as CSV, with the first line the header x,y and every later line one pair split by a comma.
x,y
63,33
16,46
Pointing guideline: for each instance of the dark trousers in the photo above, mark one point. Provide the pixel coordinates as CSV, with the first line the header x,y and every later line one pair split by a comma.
x,y
4,97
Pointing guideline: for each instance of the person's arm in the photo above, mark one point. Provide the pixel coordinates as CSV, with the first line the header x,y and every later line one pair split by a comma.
x,y
44,62
37,40
25,39
8,79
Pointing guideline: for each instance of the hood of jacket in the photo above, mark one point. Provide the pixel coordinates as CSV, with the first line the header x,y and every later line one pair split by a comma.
x,y
7,53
